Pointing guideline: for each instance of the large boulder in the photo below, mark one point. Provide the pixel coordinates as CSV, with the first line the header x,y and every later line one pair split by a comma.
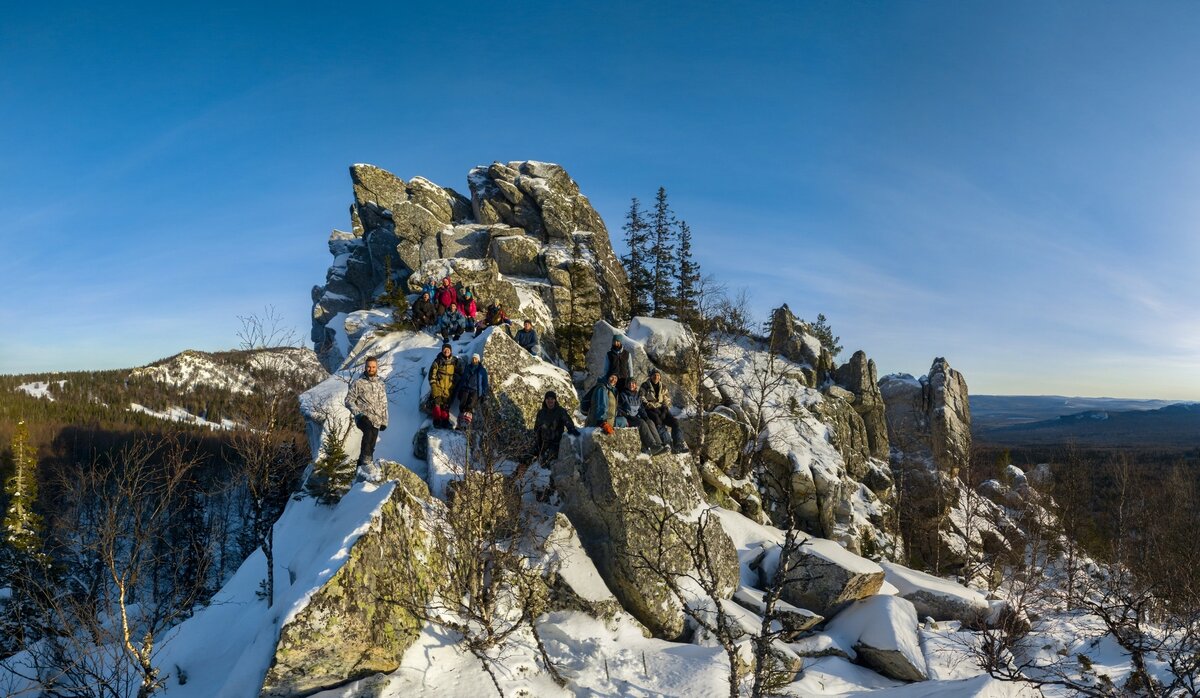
x,y
882,630
823,577
359,623
636,518
519,382
937,598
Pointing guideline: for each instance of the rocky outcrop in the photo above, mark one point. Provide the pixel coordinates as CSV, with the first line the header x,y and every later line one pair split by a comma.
x,y
929,419
858,376
544,250
358,623
636,517
792,339
937,598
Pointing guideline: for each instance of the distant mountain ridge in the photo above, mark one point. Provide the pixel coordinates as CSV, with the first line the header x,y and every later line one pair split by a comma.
x,y
994,411
1125,424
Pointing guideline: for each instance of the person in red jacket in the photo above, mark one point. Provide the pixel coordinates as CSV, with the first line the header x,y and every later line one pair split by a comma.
x,y
466,305
447,296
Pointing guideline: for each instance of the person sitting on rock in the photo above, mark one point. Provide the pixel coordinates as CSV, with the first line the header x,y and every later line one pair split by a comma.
x,y
367,401
552,420
431,287
472,388
658,408
527,338
603,412
451,324
442,376
424,314
447,295
467,305
631,410
618,361
495,316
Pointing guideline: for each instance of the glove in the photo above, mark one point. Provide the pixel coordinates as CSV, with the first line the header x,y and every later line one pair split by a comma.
x,y
607,428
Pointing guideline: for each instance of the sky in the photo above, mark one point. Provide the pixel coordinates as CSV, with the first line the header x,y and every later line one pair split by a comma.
x,y
1009,185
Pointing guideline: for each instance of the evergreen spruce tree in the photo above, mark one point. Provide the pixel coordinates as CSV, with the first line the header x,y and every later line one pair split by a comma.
x,y
22,525
638,261
687,277
333,473
662,225
822,331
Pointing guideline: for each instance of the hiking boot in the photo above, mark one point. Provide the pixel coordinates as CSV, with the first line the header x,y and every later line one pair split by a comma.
x,y
661,450
681,448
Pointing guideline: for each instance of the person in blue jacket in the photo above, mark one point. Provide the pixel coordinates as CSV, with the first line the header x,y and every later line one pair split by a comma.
x,y
472,388
451,324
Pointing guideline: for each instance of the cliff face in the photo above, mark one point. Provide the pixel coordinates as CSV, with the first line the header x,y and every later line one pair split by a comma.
x,y
527,237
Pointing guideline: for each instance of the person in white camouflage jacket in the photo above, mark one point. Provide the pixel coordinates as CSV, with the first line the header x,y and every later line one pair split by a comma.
x,y
367,401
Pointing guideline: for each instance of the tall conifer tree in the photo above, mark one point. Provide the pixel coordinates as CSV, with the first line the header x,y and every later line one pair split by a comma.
x,y
638,261
687,276
662,225
22,525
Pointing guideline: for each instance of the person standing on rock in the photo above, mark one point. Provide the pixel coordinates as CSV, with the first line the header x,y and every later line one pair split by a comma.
x,y
658,409
603,411
552,420
442,376
447,295
630,409
472,388
367,401
423,313
618,361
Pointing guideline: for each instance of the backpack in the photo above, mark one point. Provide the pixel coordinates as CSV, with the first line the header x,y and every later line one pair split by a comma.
x,y
585,404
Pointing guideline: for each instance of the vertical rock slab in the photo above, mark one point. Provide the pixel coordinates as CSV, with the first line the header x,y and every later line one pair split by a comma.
x,y
355,625
618,499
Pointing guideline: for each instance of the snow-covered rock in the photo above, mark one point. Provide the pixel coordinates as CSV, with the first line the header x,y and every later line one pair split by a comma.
x,y
823,577
360,622
937,598
882,631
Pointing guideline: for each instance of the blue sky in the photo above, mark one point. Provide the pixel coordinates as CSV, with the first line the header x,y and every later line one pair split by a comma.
x,y
1009,185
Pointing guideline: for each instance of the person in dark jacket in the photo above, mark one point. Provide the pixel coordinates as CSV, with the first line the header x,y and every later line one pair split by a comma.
x,y
472,388
443,375
630,409
657,402
423,313
618,361
552,420
528,339
451,324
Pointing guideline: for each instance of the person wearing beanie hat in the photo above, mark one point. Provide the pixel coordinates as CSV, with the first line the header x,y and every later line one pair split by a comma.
x,y
424,313
618,361
447,295
472,388
552,420
442,376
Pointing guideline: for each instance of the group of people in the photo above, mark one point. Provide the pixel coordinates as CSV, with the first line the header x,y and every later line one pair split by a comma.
x,y
619,401
451,311
450,380
616,401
